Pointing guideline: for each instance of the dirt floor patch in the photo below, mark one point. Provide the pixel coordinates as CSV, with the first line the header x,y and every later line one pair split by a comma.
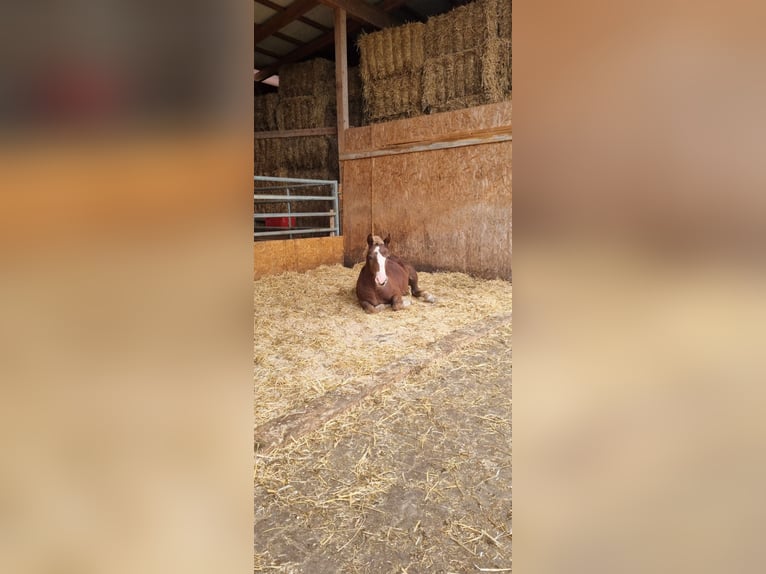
x,y
413,476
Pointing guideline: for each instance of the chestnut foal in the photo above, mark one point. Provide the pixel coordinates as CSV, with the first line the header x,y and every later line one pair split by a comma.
x,y
385,278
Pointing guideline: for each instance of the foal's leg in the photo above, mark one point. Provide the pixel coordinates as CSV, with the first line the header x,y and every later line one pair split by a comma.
x,y
397,303
369,307
416,291
413,280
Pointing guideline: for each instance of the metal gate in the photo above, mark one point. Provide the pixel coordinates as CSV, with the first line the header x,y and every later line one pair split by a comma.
x,y
289,197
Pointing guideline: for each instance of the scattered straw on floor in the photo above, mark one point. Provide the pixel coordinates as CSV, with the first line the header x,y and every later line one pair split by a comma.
x,y
312,336
417,479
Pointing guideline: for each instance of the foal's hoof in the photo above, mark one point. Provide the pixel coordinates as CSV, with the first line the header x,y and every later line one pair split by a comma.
x,y
428,298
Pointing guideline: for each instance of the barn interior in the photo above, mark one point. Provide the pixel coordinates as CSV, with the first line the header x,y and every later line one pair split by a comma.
x,y
382,441
412,119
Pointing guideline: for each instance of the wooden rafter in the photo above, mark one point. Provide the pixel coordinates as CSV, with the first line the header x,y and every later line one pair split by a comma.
x,y
286,38
304,19
268,53
366,13
317,44
282,19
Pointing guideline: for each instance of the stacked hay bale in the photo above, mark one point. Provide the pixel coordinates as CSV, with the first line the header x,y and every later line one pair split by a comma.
x,y
307,100
355,105
265,112
391,66
455,60
468,56
504,29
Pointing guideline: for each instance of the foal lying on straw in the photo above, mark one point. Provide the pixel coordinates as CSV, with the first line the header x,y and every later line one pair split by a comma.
x,y
385,278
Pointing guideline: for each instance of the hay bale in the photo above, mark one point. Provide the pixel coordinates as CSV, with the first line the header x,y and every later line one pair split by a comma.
x,y
496,70
391,63
468,78
300,153
355,98
392,51
311,78
463,28
394,97
302,112
267,156
504,19
265,112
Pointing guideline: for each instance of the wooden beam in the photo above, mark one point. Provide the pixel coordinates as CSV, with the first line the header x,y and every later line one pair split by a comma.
x,y
341,76
297,54
282,19
317,44
268,53
364,12
305,20
295,133
460,139
288,39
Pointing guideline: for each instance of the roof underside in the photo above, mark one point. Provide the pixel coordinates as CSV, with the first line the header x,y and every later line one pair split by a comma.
x,y
288,31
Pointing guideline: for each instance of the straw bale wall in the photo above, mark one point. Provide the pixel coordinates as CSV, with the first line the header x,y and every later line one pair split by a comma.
x,y
391,66
468,60
306,99
393,97
447,209
265,112
463,28
456,60
302,112
355,101
505,19
267,155
311,78
392,51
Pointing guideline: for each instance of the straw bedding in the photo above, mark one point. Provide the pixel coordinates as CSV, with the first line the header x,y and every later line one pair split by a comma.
x,y
311,335
416,479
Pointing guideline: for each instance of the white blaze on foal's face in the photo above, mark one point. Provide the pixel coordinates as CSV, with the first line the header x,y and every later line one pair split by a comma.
x,y
380,277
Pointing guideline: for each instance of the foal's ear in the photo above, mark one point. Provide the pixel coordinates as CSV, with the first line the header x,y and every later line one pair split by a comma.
x,y
387,240
369,240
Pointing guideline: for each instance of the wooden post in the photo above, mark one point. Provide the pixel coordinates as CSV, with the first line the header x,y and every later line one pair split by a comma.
x,y
341,77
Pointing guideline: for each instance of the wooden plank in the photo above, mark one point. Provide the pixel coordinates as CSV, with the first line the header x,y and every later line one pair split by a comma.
x,y
282,19
341,76
437,145
433,127
449,208
273,257
331,131
364,12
